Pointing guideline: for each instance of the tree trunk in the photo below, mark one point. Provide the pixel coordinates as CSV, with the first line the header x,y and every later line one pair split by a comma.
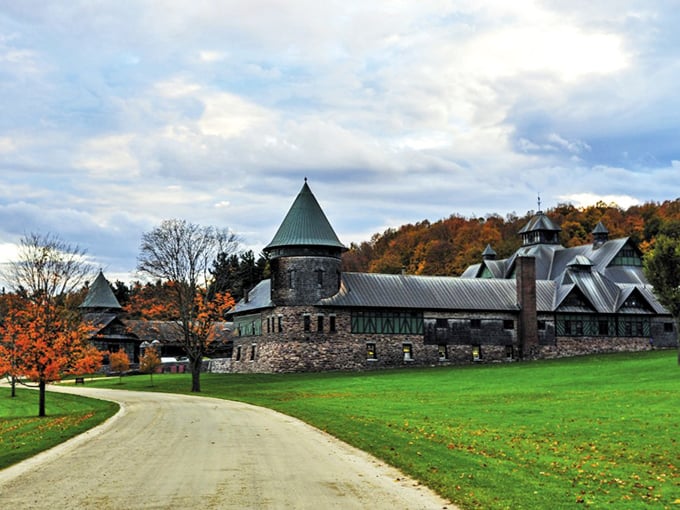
x,y
196,374
41,402
677,333
14,386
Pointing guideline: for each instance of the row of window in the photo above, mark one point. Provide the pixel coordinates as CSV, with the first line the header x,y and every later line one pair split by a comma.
x,y
250,354
408,323
320,321
381,322
587,325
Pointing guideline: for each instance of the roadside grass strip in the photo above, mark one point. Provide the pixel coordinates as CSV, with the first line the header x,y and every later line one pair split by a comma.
x,y
596,431
23,434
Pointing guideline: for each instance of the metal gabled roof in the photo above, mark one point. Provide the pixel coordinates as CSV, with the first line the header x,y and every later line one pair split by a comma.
x,y
305,225
647,296
369,290
100,296
601,292
539,222
472,271
496,267
259,297
544,255
647,293
600,256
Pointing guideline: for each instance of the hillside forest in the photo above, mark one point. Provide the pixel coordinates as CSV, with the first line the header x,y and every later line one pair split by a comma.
x,y
444,247
448,246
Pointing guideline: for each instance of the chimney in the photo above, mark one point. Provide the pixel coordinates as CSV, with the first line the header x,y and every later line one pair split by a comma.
x,y
527,325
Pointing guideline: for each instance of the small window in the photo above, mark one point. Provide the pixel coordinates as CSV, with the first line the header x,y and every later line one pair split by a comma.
x,y
442,323
508,324
307,320
668,327
319,323
331,323
370,352
252,352
407,349
475,323
603,327
319,277
541,325
476,353
280,323
291,279
443,354
238,353
509,352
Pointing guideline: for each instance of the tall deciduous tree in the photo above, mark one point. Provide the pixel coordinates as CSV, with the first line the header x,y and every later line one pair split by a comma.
x,y
49,339
182,253
662,268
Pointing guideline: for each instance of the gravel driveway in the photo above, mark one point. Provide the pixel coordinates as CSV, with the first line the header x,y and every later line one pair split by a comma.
x,y
175,451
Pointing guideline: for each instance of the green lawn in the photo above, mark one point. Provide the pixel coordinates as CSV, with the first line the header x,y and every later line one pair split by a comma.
x,y
595,432
23,434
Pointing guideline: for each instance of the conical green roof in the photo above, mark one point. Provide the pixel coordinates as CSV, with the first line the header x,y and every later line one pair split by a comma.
x,y
100,295
305,225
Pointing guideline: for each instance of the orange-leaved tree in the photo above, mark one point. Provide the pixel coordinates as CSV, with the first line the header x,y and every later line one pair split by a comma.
x,y
48,338
46,345
149,362
119,362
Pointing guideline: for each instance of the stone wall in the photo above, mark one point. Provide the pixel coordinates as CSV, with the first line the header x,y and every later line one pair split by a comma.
x,y
578,346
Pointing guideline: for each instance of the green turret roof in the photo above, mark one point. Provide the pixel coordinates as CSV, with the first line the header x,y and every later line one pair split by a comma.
x,y
305,225
100,295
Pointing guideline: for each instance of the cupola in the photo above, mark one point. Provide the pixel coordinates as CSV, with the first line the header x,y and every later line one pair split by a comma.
x,y
600,235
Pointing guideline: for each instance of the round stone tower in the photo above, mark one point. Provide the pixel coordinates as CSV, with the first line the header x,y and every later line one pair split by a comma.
x,y
305,255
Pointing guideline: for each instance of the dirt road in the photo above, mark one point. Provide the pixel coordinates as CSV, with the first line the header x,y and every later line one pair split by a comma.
x,y
173,451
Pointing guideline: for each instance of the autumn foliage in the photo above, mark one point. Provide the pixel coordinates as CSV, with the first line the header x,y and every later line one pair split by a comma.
x,y
119,362
149,362
42,343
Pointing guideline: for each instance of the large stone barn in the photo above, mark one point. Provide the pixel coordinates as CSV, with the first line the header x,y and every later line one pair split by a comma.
x,y
544,301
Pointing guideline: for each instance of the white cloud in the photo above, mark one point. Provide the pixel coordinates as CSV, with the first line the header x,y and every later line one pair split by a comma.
x,y
587,199
108,157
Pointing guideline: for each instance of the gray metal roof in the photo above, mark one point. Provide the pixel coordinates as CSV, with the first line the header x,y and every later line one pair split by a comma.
x,y
259,297
600,229
423,292
539,222
305,225
100,295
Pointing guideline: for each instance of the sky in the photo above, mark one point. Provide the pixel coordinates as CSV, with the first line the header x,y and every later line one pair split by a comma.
x,y
117,115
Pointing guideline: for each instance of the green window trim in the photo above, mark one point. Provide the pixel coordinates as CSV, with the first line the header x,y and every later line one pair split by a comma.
x,y
602,325
382,322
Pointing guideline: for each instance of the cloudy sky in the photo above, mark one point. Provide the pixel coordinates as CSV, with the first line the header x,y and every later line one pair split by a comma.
x,y
116,115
